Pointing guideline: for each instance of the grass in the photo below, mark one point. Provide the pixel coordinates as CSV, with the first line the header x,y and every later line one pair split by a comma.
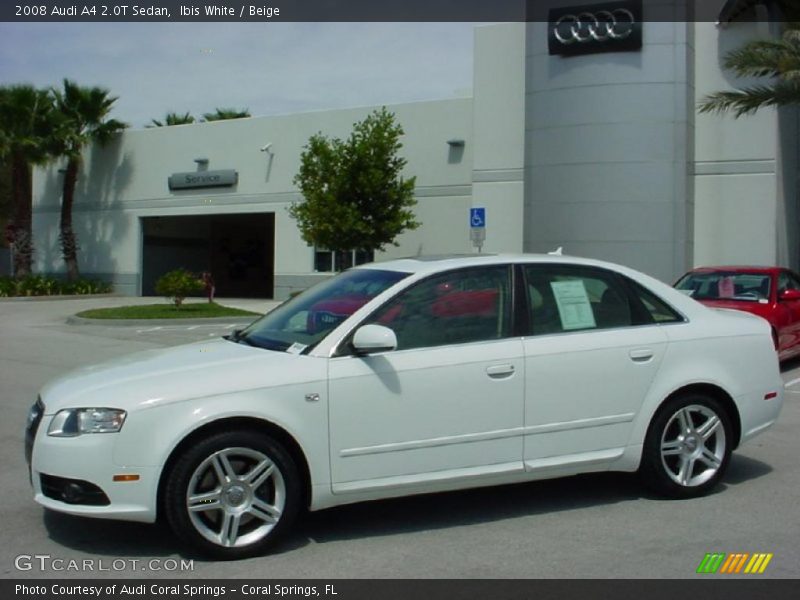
x,y
195,310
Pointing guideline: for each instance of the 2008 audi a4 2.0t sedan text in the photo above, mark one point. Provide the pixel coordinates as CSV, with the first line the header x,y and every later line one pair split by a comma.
x,y
406,377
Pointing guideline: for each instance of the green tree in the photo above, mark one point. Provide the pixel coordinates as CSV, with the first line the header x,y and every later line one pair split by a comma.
x,y
224,114
777,59
84,112
27,125
354,196
172,118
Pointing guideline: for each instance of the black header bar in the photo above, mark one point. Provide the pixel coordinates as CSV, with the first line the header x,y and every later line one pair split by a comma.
x,y
266,11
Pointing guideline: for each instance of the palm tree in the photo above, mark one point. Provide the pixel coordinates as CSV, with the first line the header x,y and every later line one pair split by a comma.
x,y
27,123
777,59
85,114
224,114
173,119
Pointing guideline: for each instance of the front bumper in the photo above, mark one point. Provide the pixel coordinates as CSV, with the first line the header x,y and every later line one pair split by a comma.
x,y
87,462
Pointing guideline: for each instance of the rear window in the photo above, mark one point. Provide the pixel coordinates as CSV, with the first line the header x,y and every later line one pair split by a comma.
x,y
723,285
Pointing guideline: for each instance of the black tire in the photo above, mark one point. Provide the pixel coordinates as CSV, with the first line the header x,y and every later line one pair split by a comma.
x,y
244,489
688,447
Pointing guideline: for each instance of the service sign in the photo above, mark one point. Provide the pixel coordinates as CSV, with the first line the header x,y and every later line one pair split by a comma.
x,y
203,179
592,28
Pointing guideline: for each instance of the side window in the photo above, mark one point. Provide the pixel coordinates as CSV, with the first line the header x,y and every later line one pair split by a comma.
x,y
660,311
571,298
470,305
785,282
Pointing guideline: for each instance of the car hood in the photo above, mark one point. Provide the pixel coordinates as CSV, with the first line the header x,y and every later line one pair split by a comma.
x,y
155,377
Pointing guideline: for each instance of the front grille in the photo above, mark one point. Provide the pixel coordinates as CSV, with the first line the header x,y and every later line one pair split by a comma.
x,y
73,491
31,427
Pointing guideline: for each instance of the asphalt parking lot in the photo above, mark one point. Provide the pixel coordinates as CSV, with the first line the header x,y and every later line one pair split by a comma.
x,y
600,526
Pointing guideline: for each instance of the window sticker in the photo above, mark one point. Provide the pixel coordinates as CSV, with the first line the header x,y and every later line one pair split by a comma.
x,y
573,303
726,288
296,348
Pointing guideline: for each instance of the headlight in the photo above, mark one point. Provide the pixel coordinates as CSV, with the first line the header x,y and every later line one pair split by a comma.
x,y
77,421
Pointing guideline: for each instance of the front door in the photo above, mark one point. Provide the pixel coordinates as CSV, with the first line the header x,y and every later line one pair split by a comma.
x,y
788,315
447,404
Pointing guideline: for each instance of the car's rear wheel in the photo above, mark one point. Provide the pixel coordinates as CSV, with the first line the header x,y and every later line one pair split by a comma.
x,y
688,447
233,494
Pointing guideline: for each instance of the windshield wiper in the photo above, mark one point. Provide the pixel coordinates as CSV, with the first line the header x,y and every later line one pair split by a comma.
x,y
234,337
238,338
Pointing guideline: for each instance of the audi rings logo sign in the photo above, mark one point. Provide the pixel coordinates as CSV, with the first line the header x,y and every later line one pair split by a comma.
x,y
593,28
600,26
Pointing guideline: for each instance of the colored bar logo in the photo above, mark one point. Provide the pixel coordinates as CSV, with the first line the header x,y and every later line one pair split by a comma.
x,y
737,562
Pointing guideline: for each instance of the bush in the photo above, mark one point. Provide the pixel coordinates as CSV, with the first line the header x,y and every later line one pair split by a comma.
x,y
86,286
178,284
40,285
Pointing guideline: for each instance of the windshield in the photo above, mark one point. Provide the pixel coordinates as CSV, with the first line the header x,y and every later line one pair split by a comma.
x,y
304,320
726,285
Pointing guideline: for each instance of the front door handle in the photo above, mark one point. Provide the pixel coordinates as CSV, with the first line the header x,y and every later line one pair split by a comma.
x,y
500,371
641,355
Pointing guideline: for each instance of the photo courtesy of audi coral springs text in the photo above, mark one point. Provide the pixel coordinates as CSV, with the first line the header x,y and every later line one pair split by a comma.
x,y
406,377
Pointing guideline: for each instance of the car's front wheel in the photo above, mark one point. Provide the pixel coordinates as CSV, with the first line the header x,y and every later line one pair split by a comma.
x,y
688,447
232,494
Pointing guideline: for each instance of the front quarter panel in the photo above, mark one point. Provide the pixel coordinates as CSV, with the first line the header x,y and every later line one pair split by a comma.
x,y
150,435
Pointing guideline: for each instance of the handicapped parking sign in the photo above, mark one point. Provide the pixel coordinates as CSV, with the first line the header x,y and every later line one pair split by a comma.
x,y
477,217
477,227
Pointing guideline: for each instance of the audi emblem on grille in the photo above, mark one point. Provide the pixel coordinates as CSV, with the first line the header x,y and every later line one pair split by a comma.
x,y
596,28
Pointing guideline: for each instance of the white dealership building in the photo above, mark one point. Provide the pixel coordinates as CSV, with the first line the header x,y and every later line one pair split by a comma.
x,y
599,150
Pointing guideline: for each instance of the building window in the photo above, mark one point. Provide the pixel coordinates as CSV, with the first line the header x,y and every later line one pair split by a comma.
x,y
328,261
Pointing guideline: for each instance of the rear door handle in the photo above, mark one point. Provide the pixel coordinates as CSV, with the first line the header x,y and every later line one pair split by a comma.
x,y
500,371
641,355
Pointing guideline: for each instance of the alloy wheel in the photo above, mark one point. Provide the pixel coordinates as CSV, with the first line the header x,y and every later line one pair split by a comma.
x,y
236,497
693,445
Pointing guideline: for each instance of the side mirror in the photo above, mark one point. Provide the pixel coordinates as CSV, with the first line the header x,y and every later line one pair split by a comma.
x,y
374,338
790,295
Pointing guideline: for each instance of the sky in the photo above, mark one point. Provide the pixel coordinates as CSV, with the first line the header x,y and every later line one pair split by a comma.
x,y
267,68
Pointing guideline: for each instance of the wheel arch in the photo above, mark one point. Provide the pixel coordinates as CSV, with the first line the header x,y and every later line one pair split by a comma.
x,y
261,426
719,394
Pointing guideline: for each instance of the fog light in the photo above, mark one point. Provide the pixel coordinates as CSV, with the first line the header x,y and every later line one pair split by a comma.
x,y
72,493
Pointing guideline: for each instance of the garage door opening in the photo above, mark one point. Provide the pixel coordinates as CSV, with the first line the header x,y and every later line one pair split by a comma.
x,y
238,250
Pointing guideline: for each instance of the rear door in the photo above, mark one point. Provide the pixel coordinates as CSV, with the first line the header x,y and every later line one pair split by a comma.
x,y
591,356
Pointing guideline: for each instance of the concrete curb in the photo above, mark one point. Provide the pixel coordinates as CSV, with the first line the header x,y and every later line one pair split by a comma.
x,y
75,320
58,297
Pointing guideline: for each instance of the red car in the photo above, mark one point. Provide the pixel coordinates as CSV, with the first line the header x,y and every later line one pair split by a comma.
x,y
769,292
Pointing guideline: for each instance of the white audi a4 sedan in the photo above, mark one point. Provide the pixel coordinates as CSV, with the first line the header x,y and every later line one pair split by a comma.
x,y
405,377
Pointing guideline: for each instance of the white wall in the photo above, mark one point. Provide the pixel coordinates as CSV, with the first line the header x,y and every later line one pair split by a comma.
x,y
736,197
499,137
128,180
608,148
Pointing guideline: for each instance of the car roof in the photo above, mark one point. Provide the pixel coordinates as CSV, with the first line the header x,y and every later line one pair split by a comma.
x,y
446,262
738,269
